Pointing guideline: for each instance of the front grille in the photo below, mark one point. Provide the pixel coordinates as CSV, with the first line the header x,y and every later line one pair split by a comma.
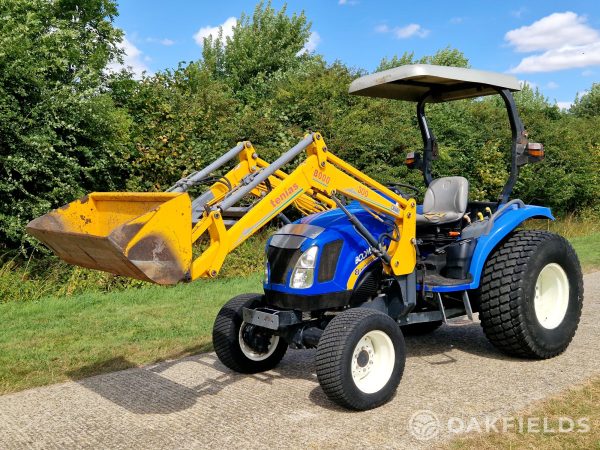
x,y
281,261
329,258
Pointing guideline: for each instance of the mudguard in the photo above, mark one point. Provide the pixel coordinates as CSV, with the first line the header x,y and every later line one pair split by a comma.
x,y
502,226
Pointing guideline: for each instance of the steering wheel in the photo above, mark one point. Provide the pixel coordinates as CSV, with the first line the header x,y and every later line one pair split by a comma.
x,y
396,187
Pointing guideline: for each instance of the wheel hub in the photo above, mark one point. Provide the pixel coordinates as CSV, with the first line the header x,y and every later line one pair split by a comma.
x,y
363,358
551,296
256,338
256,343
372,361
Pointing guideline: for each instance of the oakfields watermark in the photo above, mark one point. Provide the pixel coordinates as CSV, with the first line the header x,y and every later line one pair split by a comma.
x,y
425,425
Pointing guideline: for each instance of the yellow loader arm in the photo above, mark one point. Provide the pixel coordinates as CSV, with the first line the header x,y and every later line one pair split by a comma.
x,y
322,174
249,163
149,236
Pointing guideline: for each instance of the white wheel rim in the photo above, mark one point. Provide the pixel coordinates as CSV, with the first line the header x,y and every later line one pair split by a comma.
x,y
551,299
373,361
252,354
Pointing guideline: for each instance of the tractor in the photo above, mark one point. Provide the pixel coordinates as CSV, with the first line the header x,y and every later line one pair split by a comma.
x,y
363,266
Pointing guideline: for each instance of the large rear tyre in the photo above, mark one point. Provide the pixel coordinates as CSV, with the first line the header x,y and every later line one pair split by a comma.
x,y
531,295
243,347
360,358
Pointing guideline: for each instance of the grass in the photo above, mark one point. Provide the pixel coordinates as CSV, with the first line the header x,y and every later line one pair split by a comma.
x,y
579,402
588,250
583,233
73,337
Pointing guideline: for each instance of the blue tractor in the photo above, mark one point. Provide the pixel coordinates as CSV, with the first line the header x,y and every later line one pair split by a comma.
x,y
326,286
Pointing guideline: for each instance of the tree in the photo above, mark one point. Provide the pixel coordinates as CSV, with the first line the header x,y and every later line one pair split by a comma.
x,y
448,56
260,46
60,134
589,103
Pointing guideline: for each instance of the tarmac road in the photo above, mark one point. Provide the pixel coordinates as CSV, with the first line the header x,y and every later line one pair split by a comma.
x,y
195,402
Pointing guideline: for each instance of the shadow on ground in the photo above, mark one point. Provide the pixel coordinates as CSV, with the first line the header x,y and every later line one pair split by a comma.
x,y
147,391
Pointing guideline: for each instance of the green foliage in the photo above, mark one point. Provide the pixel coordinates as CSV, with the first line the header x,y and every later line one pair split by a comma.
x,y
61,134
589,103
182,120
261,45
448,56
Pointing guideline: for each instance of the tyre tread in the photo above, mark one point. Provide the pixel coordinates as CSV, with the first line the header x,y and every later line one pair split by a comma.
x,y
502,285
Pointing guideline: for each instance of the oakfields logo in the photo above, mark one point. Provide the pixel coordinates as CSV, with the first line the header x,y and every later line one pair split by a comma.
x,y
425,425
284,195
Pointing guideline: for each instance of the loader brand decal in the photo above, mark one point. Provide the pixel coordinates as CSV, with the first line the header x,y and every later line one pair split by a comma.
x,y
281,199
367,252
321,178
290,194
359,269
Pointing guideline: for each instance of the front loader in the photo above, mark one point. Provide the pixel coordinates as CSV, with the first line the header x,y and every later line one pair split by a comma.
x,y
365,264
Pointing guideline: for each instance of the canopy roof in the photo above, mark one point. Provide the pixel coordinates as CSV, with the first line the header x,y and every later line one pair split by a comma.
x,y
413,82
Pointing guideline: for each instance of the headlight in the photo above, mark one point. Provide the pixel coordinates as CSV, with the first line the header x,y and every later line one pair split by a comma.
x,y
303,274
266,272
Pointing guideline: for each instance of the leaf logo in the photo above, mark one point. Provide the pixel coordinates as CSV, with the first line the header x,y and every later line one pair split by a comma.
x,y
424,425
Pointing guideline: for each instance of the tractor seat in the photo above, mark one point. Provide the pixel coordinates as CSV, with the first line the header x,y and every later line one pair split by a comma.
x,y
445,201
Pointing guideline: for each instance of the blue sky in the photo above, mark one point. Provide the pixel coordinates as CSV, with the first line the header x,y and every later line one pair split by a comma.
x,y
554,45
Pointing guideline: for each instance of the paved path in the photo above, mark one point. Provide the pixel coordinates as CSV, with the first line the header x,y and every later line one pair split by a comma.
x,y
195,402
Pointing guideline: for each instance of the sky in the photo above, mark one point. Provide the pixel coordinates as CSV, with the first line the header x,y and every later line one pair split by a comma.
x,y
552,45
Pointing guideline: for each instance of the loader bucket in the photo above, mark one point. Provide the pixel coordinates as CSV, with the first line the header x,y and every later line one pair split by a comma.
x,y
140,235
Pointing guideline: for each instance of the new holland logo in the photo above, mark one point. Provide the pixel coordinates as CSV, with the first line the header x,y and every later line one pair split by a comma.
x,y
284,195
363,255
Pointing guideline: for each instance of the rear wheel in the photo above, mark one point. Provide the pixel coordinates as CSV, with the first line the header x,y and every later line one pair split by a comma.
x,y
244,347
531,295
360,358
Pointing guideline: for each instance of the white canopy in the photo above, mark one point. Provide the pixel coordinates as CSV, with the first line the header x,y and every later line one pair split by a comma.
x,y
443,83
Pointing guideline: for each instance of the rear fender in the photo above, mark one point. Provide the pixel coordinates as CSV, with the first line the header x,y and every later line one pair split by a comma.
x,y
502,226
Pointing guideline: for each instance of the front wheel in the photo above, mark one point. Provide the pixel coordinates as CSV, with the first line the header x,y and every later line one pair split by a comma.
x,y
243,347
531,295
360,358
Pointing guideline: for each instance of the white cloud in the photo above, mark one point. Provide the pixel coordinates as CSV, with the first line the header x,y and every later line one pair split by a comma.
x,y
166,42
566,57
132,60
457,20
564,105
207,31
552,85
565,40
551,32
587,73
313,41
408,31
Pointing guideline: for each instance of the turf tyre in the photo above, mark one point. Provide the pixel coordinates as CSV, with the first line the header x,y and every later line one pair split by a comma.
x,y
336,356
508,294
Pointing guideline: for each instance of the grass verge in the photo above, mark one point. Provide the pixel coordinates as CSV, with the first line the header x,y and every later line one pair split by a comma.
x,y
579,402
59,338
588,250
